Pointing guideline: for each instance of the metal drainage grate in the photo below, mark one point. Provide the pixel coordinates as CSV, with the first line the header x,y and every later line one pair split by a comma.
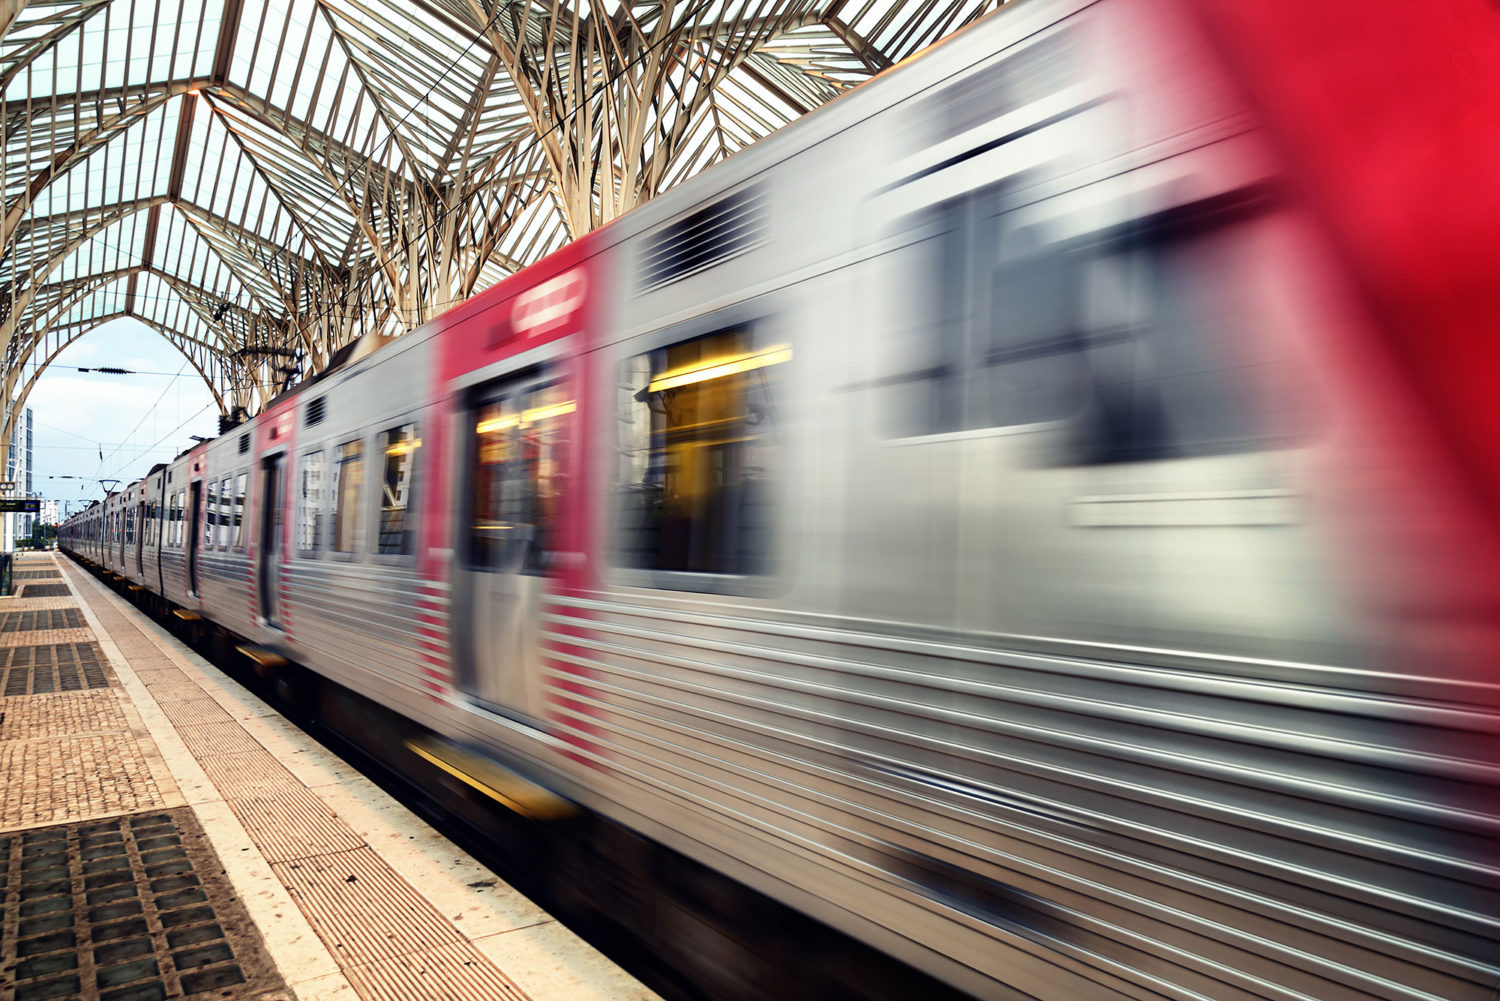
x,y
36,574
59,667
130,909
45,591
46,618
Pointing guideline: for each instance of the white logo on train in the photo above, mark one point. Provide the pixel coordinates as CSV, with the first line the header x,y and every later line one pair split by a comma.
x,y
547,307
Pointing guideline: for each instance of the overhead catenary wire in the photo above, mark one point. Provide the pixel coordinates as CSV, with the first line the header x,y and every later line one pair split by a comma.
x,y
159,442
149,410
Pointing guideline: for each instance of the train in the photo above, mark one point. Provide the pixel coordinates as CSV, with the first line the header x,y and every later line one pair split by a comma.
x,y
1032,514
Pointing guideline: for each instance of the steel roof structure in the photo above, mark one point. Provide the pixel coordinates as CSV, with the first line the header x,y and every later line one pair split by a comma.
x,y
262,181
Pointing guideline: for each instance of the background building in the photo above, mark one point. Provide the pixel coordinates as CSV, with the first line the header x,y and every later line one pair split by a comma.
x,y
18,470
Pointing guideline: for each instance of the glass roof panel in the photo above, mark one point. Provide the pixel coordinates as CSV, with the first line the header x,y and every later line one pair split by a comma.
x,y
283,169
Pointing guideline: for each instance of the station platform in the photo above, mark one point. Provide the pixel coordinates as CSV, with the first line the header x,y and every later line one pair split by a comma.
x,y
165,834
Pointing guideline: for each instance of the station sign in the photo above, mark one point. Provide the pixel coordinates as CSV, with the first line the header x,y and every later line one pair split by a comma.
x,y
20,505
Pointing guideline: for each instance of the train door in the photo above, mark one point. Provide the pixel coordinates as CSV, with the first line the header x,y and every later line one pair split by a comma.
x,y
140,538
194,520
519,454
163,525
270,539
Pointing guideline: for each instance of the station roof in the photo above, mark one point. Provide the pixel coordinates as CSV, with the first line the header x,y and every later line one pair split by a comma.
x,y
264,180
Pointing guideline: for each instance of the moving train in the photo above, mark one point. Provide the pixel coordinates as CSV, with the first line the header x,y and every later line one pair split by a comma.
x,y
1035,514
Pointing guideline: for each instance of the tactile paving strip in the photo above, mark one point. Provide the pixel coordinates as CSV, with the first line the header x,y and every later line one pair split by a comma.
x,y
461,969
129,909
37,574
59,667
361,909
42,618
45,591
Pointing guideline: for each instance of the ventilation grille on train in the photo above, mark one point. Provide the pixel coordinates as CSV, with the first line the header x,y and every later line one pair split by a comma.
x,y
315,411
714,233
244,443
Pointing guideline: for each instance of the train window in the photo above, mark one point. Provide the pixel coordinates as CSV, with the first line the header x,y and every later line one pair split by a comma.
x,y
1133,335
347,531
210,513
519,476
982,312
1032,349
697,455
310,504
130,525
399,445
1170,352
241,482
226,512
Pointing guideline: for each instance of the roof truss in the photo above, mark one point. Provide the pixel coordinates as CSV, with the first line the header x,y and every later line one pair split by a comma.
x,y
263,174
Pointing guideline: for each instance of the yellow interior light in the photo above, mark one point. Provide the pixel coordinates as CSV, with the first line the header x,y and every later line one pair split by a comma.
x,y
719,368
547,413
497,424
404,447
529,417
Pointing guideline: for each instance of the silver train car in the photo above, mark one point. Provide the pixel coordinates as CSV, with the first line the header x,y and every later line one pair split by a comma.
x,y
974,516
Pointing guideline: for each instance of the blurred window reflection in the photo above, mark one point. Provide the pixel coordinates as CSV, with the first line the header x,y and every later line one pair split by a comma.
x,y
241,484
1030,345
226,513
1139,335
1173,351
310,504
697,454
347,530
400,446
519,477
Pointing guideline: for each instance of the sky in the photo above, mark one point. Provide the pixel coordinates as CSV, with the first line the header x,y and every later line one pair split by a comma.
x,y
136,421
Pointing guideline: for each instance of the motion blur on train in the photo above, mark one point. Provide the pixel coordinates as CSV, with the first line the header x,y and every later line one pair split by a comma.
x,y
995,516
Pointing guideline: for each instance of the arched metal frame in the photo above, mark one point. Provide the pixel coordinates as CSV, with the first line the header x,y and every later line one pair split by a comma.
x,y
276,183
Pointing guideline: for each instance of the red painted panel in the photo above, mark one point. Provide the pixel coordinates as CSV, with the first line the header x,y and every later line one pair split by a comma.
x,y
1385,117
556,298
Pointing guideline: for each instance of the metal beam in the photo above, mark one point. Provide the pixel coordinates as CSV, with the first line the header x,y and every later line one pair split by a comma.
x,y
9,11
229,24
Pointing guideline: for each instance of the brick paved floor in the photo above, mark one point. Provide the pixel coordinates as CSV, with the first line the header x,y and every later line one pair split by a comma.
x,y
58,779
37,637
34,604
66,755
64,714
